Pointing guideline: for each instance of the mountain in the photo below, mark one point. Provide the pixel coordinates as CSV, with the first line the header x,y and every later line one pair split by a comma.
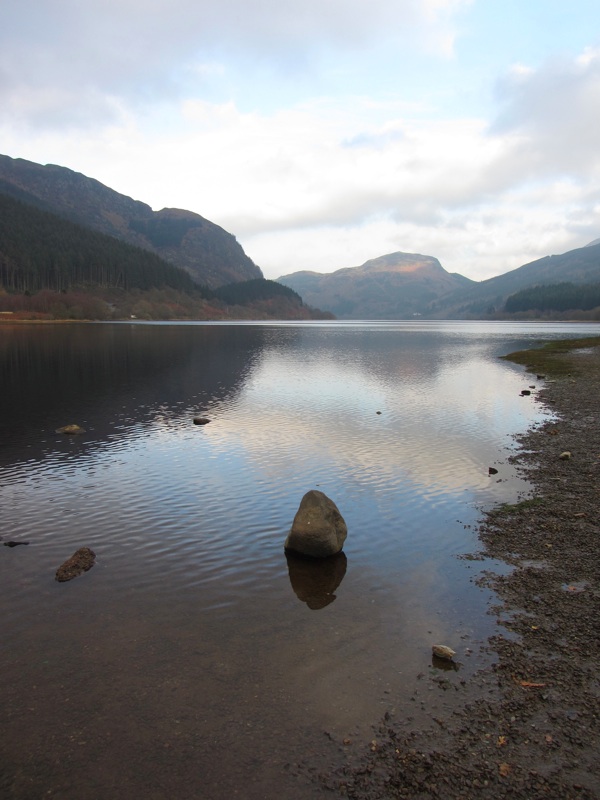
x,y
403,285
580,266
394,286
211,255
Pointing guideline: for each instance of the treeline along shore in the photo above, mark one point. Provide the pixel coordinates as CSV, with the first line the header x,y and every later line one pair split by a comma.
x,y
528,725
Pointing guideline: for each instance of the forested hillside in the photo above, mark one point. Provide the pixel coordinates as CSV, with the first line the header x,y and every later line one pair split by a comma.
x,y
557,297
39,250
257,289
51,268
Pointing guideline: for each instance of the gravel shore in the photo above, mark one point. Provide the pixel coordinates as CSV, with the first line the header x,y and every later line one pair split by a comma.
x,y
527,726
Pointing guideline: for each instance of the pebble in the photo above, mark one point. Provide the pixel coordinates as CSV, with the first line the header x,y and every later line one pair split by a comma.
x,y
442,651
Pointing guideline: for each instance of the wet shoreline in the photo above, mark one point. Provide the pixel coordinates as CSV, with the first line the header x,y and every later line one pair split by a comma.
x,y
528,726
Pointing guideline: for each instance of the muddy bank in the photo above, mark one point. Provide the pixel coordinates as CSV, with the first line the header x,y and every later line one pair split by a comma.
x,y
528,726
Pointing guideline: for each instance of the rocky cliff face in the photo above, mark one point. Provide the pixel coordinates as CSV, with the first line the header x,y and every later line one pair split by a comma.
x,y
210,254
394,286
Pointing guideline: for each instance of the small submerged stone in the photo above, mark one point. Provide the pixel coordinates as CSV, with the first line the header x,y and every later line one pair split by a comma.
x,y
81,561
201,421
71,430
565,456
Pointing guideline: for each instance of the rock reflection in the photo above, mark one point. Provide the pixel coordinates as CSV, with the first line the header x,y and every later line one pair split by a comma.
x,y
314,581
444,664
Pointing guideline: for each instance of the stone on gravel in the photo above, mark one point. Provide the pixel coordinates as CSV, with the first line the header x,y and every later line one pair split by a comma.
x,y
442,651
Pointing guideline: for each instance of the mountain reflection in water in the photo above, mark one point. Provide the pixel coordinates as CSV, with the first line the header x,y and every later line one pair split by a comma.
x,y
114,377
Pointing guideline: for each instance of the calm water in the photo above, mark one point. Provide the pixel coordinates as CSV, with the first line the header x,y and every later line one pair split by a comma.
x,y
194,660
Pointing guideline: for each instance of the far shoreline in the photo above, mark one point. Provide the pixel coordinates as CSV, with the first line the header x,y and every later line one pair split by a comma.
x,y
9,320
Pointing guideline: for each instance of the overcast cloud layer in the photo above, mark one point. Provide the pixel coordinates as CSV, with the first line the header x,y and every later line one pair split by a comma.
x,y
323,133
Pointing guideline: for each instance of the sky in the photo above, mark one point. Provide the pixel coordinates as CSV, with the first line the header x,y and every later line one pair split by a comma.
x,y
323,133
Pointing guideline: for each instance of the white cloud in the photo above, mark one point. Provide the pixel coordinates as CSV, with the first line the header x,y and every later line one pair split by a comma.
x,y
553,113
144,52
298,197
224,109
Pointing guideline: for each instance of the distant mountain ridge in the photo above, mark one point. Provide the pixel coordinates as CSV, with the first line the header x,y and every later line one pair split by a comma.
x,y
211,255
404,285
579,266
394,286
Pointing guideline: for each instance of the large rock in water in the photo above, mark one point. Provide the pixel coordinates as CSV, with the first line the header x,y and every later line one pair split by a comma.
x,y
318,529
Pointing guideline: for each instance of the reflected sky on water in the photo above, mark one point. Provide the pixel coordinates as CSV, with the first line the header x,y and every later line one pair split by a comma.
x,y
192,611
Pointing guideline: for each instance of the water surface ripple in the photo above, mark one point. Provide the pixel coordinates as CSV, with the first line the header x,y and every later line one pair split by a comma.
x,y
194,657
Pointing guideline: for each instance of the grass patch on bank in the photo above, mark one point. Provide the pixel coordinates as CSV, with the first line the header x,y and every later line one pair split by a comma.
x,y
521,507
549,359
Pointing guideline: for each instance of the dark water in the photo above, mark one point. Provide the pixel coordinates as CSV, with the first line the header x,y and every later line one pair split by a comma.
x,y
194,659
